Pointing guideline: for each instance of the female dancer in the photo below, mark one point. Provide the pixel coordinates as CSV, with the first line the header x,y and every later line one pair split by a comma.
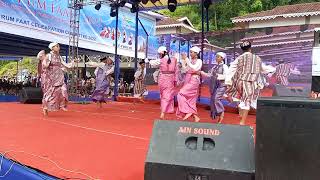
x,y
217,87
188,94
103,72
55,96
167,80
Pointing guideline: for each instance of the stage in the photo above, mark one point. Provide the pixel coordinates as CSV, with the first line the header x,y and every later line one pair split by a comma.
x,y
86,142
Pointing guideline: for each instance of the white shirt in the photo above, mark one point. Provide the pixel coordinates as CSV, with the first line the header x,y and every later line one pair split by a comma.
x,y
66,66
220,76
137,74
195,67
184,66
102,66
233,68
156,63
225,71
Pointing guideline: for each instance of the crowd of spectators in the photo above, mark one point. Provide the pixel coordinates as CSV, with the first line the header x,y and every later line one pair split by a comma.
x,y
80,88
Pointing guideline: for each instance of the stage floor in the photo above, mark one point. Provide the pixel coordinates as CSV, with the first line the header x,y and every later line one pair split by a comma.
x,y
86,142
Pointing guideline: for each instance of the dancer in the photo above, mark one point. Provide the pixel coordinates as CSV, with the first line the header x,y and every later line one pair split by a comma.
x,y
103,72
113,32
217,87
41,56
103,32
166,81
283,71
55,96
244,79
130,39
124,40
188,94
155,64
139,86
182,68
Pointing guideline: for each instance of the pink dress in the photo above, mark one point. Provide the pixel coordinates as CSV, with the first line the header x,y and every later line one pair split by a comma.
x,y
54,88
167,80
188,94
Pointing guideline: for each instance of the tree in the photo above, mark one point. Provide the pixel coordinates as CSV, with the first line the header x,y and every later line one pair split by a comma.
x,y
10,67
224,11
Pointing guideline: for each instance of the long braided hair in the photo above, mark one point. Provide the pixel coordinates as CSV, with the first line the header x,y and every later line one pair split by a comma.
x,y
164,54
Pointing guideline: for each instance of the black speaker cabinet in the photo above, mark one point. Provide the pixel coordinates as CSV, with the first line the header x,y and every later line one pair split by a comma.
x,y
287,139
200,151
315,85
31,95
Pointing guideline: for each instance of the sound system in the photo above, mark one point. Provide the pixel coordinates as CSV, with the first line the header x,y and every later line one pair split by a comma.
x,y
30,95
181,150
315,85
286,91
287,139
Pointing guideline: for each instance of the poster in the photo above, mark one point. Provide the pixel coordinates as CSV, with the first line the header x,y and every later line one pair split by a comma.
x,y
50,19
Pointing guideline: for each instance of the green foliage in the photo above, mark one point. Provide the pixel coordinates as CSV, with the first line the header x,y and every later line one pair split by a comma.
x,y
227,9
9,68
30,64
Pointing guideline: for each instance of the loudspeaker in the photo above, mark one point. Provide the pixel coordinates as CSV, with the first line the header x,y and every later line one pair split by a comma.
x,y
315,86
284,91
31,95
200,151
287,139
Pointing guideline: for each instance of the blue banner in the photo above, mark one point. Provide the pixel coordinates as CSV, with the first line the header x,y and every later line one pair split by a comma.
x,y
49,20
174,45
153,46
184,47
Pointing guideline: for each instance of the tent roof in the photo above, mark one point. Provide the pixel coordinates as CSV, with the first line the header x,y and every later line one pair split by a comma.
x,y
181,22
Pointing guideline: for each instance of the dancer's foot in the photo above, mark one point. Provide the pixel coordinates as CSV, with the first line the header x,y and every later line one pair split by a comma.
x,y
314,95
45,112
162,116
186,116
142,100
64,109
196,118
242,123
179,117
240,112
244,116
220,118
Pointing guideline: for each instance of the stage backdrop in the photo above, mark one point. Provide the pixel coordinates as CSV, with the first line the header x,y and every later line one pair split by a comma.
x,y
288,44
49,20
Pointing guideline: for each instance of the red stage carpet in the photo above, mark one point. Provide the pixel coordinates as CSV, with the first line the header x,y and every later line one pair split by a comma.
x,y
87,142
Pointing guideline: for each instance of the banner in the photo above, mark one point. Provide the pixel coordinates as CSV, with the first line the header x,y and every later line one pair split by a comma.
x,y
184,47
153,46
49,20
175,46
